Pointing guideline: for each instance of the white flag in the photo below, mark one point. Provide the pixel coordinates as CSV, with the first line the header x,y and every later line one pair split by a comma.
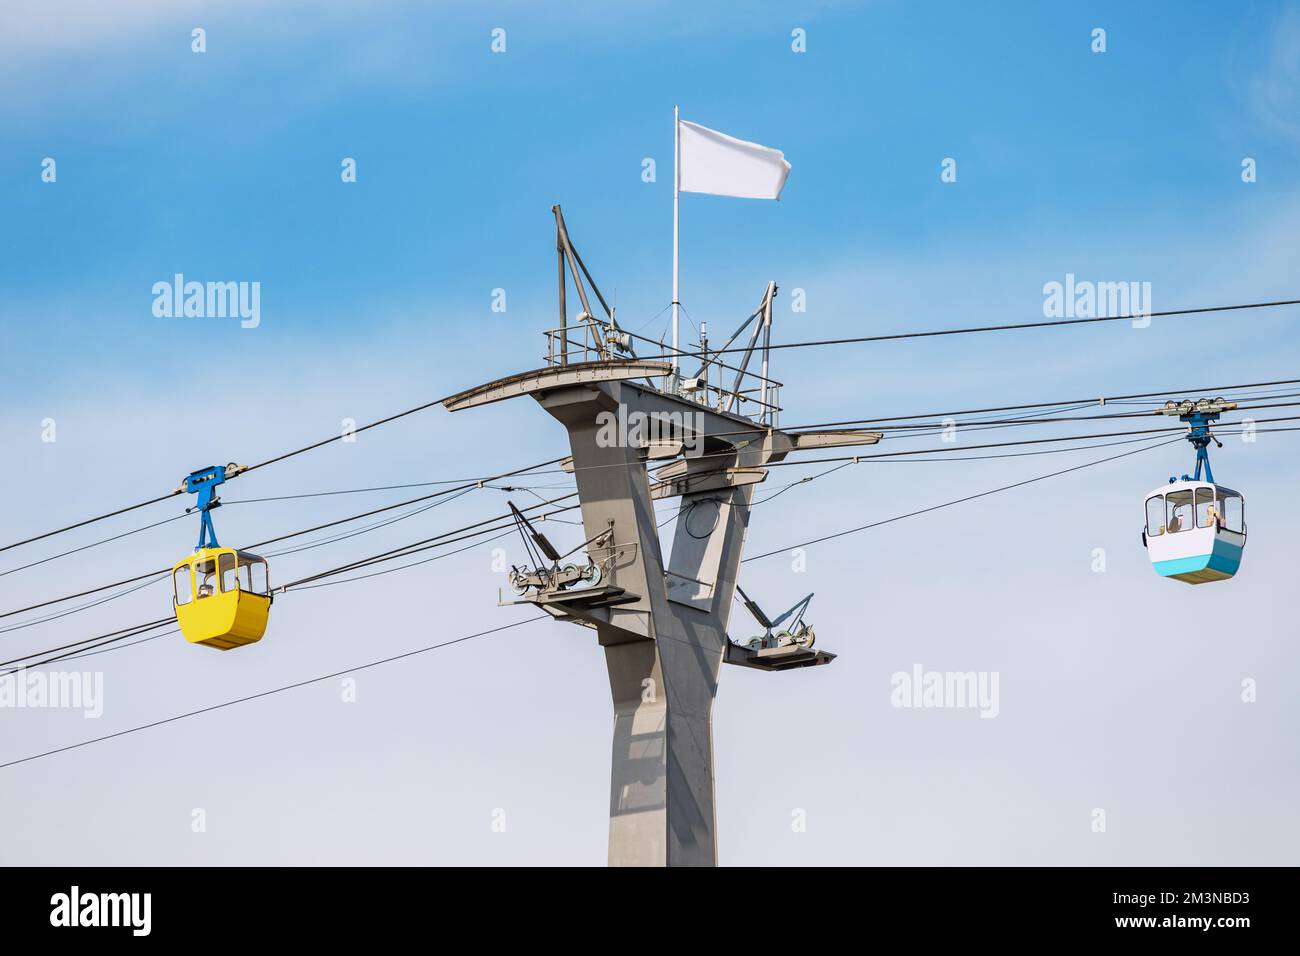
x,y
713,162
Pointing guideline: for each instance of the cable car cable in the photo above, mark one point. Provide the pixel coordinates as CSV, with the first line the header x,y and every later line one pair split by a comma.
x,y
134,630
240,501
79,608
448,537
1082,402
333,539
410,501
374,574
468,637
1007,444
274,690
82,524
352,491
977,424
254,467
922,451
426,544
445,538
957,501
117,647
339,437
131,631
164,571
112,636
1023,454
428,405
160,574
95,544
938,428
805,462
122,647
877,423
1050,323
418,546
508,530
1019,454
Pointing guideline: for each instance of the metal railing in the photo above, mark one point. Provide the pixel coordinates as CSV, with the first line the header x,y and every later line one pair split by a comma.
x,y
736,389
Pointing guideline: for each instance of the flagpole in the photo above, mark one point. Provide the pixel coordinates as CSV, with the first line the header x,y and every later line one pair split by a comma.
x,y
677,184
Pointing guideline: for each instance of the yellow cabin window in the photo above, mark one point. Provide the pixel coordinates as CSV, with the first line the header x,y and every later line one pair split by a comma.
x,y
183,585
226,562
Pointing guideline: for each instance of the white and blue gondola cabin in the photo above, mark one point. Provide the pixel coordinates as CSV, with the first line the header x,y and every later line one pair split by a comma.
x,y
1195,531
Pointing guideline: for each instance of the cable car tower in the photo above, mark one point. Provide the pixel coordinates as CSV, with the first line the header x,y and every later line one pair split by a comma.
x,y
639,432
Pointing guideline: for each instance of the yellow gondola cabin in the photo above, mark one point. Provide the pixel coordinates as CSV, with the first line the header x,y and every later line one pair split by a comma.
x,y
222,597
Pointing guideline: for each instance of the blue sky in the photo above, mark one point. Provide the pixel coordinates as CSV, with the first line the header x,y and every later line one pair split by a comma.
x,y
227,164
1116,166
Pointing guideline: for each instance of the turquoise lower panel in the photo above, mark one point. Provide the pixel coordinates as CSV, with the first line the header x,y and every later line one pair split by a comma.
x,y
1225,558
1183,565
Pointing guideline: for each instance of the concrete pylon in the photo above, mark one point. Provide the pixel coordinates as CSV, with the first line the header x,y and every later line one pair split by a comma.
x,y
662,625
663,650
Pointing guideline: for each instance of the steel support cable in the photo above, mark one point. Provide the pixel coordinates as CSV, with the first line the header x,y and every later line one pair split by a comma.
x,y
1081,403
95,544
927,451
425,544
71,654
437,557
468,637
957,501
777,464
450,537
254,467
1018,454
152,578
442,540
468,485
1001,422
706,355
329,524
1050,323
131,631
1009,444
875,424
346,535
938,428
242,501
509,529
1096,400
164,572
135,630
82,524
428,405
358,491
122,647
163,575
1221,388
274,690
1024,454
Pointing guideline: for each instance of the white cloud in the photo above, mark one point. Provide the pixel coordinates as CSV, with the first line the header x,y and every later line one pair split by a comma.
x,y
36,29
1275,89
